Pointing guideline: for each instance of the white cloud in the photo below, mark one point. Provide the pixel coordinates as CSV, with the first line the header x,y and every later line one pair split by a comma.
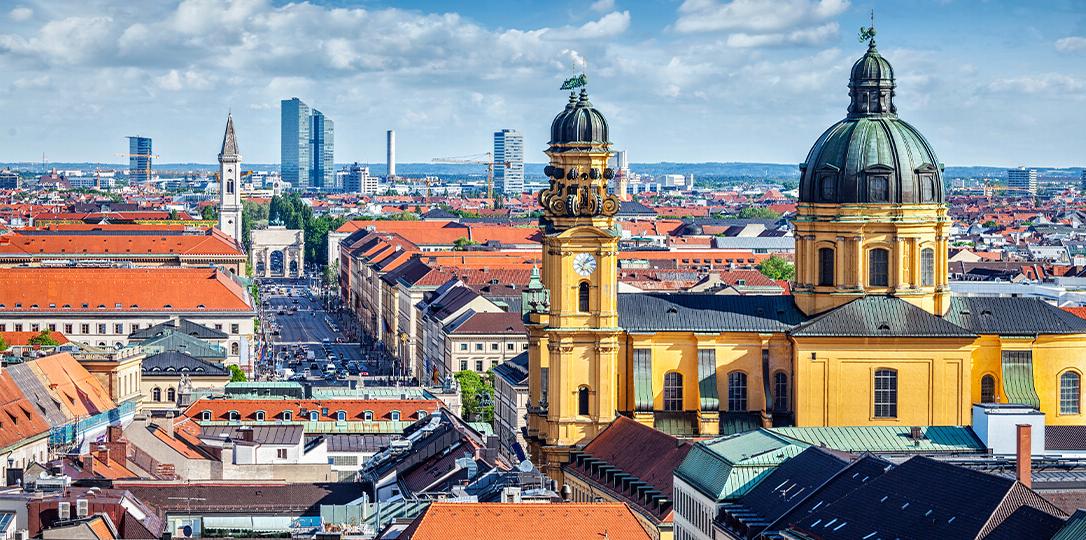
x,y
755,16
1053,84
609,25
20,14
1071,44
602,6
806,36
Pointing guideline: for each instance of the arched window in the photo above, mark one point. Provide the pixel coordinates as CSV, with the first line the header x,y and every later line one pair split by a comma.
x,y
582,297
927,267
826,187
229,186
987,389
205,416
233,416
235,349
395,416
582,401
156,394
737,391
885,393
878,267
673,391
825,267
1070,393
367,416
171,395
341,416
259,415
287,416
780,391
314,416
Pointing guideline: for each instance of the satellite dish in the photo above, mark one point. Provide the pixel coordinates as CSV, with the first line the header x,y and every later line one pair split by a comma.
x,y
526,466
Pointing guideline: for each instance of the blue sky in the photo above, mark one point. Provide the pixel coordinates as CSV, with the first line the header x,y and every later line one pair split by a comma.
x,y
988,82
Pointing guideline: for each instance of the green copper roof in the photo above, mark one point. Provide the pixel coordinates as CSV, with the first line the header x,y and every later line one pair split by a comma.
x,y
880,439
1018,379
728,467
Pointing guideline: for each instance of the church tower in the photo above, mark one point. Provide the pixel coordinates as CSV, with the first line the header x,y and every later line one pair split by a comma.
x,y
571,312
230,190
871,218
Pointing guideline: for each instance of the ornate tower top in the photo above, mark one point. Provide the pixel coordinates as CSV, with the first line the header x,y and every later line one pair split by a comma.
x,y
579,149
229,149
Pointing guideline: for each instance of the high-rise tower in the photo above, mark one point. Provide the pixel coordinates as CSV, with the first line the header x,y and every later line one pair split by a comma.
x,y
139,160
509,162
294,145
572,311
230,189
322,151
871,218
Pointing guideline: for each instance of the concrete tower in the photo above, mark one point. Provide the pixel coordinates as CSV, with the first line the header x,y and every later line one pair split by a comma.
x,y
230,190
391,153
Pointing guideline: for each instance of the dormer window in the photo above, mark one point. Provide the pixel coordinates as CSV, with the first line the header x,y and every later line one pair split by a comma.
x,y
259,416
314,416
878,189
287,416
367,416
341,416
395,416
205,416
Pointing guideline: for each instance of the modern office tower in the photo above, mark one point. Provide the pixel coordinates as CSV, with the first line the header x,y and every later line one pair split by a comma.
x,y
9,179
322,151
294,155
139,159
508,162
358,180
1022,180
619,184
230,191
390,145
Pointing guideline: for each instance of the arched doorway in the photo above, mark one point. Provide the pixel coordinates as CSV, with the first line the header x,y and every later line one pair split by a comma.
x,y
294,267
276,263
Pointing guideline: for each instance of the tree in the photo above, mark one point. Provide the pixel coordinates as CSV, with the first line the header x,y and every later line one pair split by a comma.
x,y
44,339
3,344
777,268
209,213
477,395
460,244
990,224
757,212
236,374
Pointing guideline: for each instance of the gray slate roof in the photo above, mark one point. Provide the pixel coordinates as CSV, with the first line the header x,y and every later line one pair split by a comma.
x,y
278,434
514,370
1012,316
186,326
357,442
879,316
176,363
651,312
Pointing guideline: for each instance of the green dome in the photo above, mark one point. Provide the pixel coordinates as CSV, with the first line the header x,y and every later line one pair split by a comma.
x,y
580,122
871,156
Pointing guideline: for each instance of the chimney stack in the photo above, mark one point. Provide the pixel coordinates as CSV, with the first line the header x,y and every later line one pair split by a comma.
x,y
168,424
88,463
103,453
1024,455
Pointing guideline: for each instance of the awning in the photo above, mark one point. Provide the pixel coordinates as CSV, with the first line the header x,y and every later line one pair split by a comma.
x,y
1018,378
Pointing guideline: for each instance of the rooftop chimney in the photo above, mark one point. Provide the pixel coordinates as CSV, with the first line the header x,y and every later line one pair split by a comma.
x,y
88,463
103,453
1024,456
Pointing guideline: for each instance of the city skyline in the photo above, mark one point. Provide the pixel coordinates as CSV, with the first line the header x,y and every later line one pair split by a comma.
x,y
687,82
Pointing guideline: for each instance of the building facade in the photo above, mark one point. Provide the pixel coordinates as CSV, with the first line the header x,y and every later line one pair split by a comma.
x,y
139,159
870,337
277,252
508,162
1022,181
294,154
358,180
322,151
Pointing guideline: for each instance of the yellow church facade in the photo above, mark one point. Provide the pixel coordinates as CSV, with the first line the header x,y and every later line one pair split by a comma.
x,y
870,336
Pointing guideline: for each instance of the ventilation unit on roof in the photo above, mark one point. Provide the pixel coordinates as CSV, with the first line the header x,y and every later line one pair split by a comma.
x,y
82,508
64,510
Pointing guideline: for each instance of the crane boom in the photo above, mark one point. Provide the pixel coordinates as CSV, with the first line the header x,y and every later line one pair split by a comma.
x,y
475,160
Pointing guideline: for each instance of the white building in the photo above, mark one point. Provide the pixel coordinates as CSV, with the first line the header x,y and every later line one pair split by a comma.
x,y
508,162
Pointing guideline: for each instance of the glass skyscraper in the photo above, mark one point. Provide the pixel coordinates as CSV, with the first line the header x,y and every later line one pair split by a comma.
x,y
321,147
139,159
508,162
294,155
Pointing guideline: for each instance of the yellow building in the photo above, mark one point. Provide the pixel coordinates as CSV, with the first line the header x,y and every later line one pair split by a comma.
x,y
871,335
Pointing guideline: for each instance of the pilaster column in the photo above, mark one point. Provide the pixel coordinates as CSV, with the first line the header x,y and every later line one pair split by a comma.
x,y
857,262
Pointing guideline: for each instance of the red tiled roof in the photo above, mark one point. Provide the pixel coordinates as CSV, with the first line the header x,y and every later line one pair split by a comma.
x,y
213,242
77,391
642,451
1079,312
47,290
492,323
509,521
22,339
273,408
19,418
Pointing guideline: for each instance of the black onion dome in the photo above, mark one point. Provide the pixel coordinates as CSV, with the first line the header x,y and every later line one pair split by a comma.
x,y
871,156
580,122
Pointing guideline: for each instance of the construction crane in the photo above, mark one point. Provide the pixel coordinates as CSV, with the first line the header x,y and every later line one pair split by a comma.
x,y
485,158
149,158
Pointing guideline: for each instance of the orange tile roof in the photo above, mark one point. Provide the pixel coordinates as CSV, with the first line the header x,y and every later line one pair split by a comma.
x,y
1079,312
19,418
185,440
77,391
22,339
510,521
355,408
47,290
212,242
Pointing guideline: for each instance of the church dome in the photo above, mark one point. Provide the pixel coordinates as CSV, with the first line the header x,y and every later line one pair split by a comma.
x,y
580,122
871,156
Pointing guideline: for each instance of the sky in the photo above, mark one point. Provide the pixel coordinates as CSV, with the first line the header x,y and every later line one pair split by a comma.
x,y
999,83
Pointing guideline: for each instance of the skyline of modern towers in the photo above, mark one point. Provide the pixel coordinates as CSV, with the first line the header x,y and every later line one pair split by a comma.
x,y
508,162
307,146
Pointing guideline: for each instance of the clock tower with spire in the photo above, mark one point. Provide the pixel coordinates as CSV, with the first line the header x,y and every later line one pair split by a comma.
x,y
230,190
571,313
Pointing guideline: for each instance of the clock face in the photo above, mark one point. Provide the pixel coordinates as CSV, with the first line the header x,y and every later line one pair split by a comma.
x,y
584,264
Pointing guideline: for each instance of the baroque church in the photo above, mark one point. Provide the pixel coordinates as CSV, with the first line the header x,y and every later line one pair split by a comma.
x,y
870,336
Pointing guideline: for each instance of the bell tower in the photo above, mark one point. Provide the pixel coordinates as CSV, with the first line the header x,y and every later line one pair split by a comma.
x,y
571,311
230,190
